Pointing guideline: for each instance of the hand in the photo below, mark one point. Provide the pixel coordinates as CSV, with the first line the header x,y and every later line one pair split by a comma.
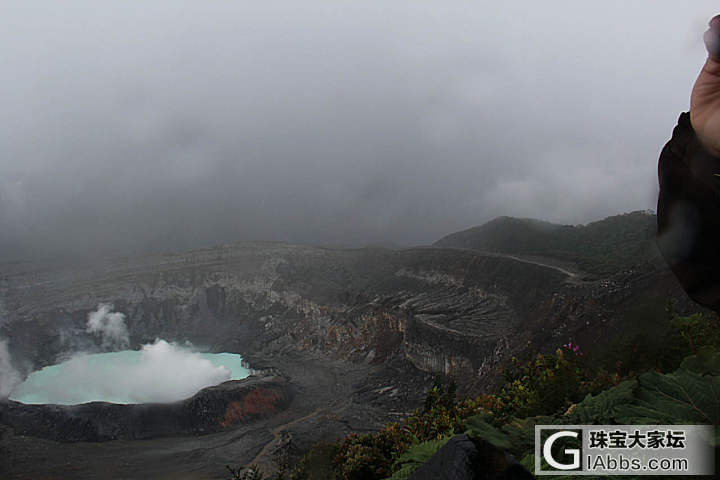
x,y
705,99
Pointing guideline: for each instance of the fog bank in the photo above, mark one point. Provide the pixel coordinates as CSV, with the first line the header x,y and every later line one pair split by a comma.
x,y
153,126
159,372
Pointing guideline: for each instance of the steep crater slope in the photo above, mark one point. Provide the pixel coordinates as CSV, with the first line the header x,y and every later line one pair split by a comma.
x,y
442,310
210,410
359,333
619,290
455,311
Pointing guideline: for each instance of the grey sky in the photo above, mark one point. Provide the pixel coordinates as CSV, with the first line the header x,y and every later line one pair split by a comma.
x,y
150,125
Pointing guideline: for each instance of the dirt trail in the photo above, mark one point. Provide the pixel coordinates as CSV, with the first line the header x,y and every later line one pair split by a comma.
x,y
572,275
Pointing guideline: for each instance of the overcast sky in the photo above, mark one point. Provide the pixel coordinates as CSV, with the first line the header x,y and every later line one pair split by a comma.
x,y
136,126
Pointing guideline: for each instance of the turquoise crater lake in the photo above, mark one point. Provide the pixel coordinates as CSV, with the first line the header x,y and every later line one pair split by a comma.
x,y
159,372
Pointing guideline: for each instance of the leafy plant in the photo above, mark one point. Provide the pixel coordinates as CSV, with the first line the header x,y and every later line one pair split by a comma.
x,y
681,396
376,455
561,388
318,463
698,330
370,456
550,383
706,361
478,427
252,473
595,409
438,396
415,456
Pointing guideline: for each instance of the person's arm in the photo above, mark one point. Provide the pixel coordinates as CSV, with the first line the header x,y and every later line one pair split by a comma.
x,y
688,213
689,171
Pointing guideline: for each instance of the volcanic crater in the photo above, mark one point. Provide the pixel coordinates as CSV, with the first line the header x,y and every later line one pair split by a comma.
x,y
340,341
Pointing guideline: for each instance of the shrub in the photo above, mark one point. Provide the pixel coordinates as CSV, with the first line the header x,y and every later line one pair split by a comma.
x,y
563,387
549,384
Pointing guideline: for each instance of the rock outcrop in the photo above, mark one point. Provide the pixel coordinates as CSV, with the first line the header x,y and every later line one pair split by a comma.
x,y
444,311
210,410
360,334
447,311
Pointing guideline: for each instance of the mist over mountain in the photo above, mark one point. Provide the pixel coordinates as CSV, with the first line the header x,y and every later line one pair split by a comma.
x,y
286,187
604,246
183,124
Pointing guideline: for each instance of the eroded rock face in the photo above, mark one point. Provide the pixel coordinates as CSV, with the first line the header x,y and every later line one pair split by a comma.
x,y
361,333
449,311
444,311
210,410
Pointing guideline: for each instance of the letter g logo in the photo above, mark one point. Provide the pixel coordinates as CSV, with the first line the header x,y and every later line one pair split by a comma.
x,y
547,452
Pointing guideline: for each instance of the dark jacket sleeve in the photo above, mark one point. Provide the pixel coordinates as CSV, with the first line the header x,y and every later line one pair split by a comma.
x,y
688,214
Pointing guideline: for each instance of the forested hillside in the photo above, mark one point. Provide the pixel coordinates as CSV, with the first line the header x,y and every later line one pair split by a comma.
x,y
606,246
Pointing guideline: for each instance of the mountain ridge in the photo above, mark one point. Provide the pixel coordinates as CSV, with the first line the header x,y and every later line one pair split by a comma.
x,y
362,330
605,246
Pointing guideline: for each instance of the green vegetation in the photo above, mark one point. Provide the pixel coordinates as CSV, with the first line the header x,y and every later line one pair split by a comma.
x,y
607,246
658,345
398,446
549,384
416,455
562,388
252,473
660,368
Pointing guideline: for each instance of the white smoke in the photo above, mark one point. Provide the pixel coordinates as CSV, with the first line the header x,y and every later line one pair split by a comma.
x,y
9,377
109,325
160,372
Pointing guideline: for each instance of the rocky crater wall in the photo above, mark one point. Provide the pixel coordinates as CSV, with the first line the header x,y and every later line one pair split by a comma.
x,y
456,312
210,410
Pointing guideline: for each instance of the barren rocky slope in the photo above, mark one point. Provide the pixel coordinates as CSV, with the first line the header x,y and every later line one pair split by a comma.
x,y
359,333
447,311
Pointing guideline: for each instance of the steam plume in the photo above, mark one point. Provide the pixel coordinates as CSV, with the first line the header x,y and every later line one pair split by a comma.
x,y
160,372
109,325
9,377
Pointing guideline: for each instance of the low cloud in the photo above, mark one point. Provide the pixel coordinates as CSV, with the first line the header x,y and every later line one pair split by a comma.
x,y
172,125
109,326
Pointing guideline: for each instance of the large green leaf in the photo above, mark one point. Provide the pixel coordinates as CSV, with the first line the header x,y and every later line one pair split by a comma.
x,y
477,427
516,436
603,407
706,361
415,456
674,398
521,432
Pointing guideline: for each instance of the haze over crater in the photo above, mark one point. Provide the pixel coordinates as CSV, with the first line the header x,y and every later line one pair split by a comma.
x,y
137,126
